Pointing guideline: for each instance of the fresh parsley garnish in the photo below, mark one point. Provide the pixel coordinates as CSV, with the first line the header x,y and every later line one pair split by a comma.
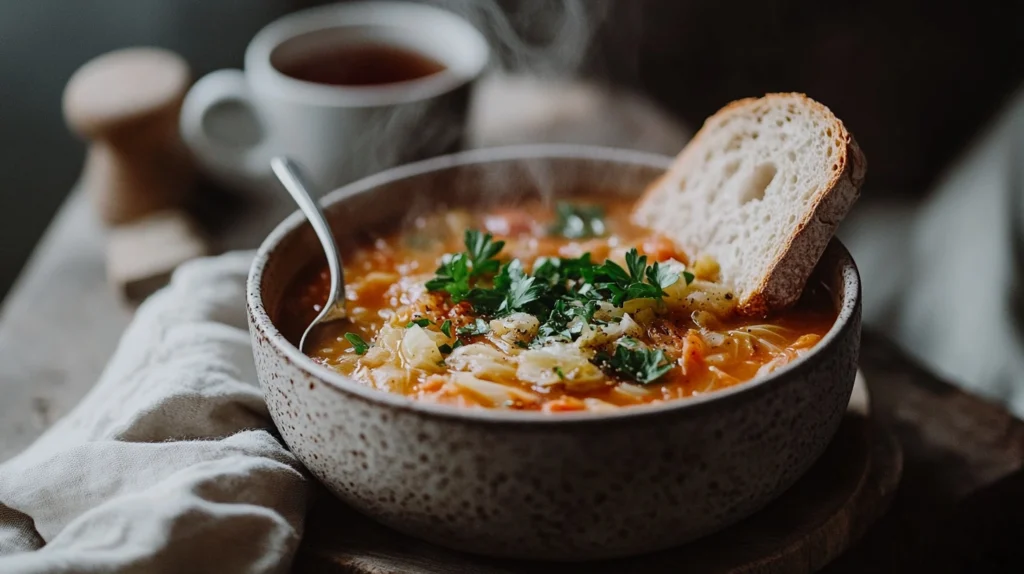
x,y
456,270
358,344
478,327
481,249
486,301
633,361
563,293
452,276
636,264
578,221
446,328
520,290
561,375
623,285
556,270
561,325
421,322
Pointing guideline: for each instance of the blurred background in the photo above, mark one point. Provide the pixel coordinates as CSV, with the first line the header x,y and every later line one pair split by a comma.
x,y
917,82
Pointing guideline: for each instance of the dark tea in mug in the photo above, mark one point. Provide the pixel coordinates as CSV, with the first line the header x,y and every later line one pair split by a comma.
x,y
361,65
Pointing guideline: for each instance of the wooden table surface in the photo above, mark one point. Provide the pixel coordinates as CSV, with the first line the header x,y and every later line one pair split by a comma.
x,y
959,508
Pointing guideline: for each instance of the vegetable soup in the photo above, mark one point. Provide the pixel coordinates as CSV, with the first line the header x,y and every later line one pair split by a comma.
x,y
565,307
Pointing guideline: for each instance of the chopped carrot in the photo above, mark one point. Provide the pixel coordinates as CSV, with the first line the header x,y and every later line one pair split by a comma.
x,y
658,248
693,352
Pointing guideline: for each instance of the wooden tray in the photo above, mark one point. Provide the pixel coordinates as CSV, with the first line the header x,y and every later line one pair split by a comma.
x,y
824,514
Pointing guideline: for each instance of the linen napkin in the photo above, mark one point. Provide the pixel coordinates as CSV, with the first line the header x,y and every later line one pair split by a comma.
x,y
170,463
946,278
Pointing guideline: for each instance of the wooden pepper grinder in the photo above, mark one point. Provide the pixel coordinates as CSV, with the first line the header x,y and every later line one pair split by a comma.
x,y
126,103
137,170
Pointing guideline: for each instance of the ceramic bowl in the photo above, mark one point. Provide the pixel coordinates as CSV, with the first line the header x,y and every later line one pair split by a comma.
x,y
572,486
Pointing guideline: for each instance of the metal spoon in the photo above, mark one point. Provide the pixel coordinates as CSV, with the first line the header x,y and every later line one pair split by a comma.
x,y
289,174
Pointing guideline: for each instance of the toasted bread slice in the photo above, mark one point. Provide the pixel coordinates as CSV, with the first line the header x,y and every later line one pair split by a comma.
x,y
761,189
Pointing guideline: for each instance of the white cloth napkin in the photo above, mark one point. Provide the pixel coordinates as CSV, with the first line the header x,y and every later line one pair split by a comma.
x,y
169,464
941,278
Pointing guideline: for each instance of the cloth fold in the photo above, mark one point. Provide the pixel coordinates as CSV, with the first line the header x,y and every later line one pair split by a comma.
x,y
942,277
170,463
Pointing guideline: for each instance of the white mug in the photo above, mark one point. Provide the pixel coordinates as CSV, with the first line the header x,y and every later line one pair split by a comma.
x,y
235,121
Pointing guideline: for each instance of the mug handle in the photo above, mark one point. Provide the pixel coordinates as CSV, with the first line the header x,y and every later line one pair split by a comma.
x,y
238,163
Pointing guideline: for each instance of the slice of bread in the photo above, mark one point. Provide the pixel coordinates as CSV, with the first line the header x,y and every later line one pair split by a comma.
x,y
761,189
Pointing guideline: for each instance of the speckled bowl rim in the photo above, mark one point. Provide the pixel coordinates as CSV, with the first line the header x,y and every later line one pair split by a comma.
x,y
849,277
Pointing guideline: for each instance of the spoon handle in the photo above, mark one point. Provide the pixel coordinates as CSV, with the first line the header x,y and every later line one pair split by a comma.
x,y
290,175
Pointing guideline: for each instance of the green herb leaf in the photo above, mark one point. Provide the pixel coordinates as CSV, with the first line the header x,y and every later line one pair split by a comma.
x,y
485,301
560,291
636,264
560,324
521,288
555,271
358,344
561,375
481,250
612,272
663,277
452,276
423,322
635,362
456,270
445,348
578,221
478,327
621,285
446,328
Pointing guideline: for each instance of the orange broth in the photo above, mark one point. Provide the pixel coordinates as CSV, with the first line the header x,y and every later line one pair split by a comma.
x,y
386,275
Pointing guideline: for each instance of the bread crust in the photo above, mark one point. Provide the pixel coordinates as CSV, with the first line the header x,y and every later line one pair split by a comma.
x,y
785,276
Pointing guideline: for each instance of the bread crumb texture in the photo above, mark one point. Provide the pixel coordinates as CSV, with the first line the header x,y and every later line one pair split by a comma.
x,y
761,189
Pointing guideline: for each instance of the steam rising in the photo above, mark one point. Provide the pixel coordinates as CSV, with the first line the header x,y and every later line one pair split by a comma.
x,y
547,38
531,38
557,40
541,37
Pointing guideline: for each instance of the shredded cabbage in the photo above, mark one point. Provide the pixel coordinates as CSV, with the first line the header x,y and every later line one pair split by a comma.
x,y
420,351
592,338
492,394
700,295
484,361
607,312
559,363
390,378
384,348
517,328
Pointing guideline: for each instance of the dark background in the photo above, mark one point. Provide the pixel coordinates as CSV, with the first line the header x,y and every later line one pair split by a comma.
x,y
912,80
